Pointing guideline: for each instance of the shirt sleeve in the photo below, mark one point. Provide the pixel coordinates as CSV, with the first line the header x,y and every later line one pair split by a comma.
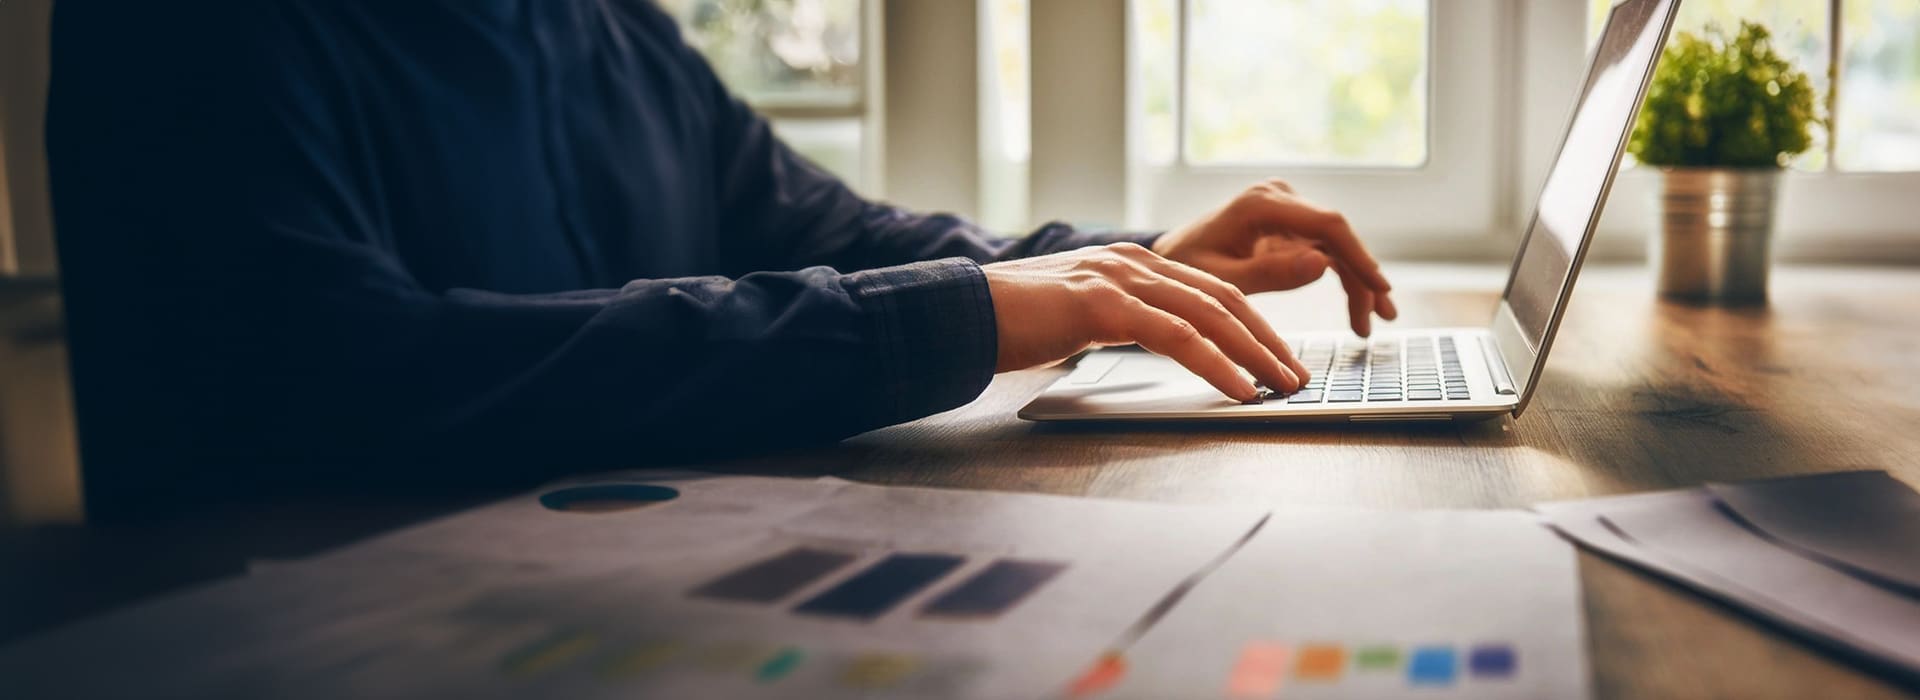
x,y
235,290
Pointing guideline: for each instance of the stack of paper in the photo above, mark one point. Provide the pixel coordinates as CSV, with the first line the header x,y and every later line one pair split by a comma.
x,y
682,584
1836,556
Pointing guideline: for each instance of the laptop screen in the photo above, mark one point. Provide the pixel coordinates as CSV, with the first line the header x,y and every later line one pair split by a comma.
x,y
1571,200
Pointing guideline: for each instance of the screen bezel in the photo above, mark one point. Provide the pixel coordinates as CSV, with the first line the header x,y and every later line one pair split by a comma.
x,y
1510,338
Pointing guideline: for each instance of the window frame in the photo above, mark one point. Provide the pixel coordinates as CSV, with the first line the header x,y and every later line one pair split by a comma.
x,y
787,110
1831,216
1462,178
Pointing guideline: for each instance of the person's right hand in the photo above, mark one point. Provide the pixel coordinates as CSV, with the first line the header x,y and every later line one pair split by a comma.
x,y
1051,307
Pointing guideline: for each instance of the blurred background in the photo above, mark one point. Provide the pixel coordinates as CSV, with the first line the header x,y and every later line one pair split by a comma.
x,y
1429,122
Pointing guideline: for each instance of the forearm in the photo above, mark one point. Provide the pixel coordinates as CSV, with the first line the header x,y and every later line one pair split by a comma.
x,y
526,387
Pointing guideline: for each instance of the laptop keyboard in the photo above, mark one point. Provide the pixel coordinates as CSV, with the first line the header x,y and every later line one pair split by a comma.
x,y
1405,368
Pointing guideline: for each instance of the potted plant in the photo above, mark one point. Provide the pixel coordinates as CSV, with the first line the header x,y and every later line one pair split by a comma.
x,y
1723,118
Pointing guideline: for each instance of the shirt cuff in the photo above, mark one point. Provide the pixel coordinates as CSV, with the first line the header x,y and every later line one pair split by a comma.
x,y
1145,240
936,339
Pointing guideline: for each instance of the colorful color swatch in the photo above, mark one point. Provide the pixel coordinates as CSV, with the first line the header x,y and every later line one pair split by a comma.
x,y
877,671
1431,666
871,593
776,577
1103,674
546,653
1320,663
1377,658
779,666
1491,661
1258,673
994,589
639,659
733,657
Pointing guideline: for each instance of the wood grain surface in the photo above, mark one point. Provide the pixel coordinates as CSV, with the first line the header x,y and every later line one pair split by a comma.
x,y
1638,395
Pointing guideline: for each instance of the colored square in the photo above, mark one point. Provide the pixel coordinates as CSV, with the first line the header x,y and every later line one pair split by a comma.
x,y
639,659
774,578
1320,662
547,653
1492,661
1377,658
871,593
732,657
779,666
1103,674
995,589
1258,673
877,671
1431,666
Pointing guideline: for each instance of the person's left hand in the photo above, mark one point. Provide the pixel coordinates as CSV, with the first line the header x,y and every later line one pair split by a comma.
x,y
1271,239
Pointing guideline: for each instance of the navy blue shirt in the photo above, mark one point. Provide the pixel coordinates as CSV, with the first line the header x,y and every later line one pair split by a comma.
x,y
420,241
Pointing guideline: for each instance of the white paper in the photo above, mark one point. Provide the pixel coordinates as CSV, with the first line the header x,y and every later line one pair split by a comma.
x,y
440,609
1865,522
1355,580
1685,536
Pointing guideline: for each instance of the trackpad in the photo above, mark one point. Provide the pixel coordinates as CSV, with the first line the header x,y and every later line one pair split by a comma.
x,y
1130,381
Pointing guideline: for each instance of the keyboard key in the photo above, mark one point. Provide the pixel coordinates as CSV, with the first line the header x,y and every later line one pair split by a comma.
x,y
1346,397
1305,396
1424,396
1459,396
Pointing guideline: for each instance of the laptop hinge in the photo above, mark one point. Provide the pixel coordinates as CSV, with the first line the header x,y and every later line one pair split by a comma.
x,y
1497,368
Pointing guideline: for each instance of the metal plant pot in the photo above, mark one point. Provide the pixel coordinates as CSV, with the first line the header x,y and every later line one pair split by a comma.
x,y
1716,234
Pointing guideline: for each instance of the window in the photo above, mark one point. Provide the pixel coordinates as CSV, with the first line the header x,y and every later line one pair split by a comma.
x,y
1350,92
1006,113
1844,198
1354,101
1877,111
797,61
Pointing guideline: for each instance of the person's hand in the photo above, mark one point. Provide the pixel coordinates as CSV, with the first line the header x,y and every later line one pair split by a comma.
x,y
1051,307
1270,239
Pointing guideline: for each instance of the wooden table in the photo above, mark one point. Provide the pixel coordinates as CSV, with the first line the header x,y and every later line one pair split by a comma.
x,y
1639,395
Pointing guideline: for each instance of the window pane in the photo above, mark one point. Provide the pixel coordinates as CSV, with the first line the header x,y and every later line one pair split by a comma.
x,y
836,144
1157,45
1005,114
1307,82
779,52
1800,32
1007,91
1879,111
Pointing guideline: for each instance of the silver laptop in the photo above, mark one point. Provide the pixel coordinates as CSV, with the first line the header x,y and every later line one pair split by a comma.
x,y
1434,374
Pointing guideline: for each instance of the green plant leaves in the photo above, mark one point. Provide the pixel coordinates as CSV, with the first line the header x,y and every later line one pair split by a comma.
x,y
1725,102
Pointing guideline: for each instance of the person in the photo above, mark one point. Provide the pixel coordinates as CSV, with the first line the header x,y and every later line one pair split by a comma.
x,y
311,242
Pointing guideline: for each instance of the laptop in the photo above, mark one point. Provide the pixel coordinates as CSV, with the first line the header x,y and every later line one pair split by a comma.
x,y
1436,374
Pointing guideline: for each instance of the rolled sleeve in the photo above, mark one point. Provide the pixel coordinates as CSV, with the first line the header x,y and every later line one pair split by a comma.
x,y
936,342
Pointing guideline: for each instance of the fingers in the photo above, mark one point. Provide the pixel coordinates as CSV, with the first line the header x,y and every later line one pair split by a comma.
x,y
1193,318
1383,305
1360,303
1367,288
1282,262
1241,331
1301,218
1165,334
